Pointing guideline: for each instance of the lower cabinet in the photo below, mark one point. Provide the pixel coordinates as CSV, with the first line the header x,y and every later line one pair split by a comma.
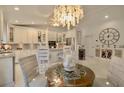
x,y
7,72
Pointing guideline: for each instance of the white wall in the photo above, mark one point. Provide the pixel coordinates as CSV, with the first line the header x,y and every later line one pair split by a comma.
x,y
94,22
3,27
52,36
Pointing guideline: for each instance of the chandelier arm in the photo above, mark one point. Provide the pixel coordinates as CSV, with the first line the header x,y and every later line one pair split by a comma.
x,y
67,15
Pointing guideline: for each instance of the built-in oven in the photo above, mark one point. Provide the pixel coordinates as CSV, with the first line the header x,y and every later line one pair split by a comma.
x,y
52,44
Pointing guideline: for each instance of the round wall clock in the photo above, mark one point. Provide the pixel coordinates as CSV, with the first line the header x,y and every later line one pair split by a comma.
x,y
109,36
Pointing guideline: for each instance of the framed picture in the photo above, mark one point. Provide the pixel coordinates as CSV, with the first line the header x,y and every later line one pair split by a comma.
x,y
118,53
103,53
109,53
121,46
106,53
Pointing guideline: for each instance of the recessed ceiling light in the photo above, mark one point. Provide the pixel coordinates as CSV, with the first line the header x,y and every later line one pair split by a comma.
x,y
45,22
32,22
106,16
16,8
16,21
107,83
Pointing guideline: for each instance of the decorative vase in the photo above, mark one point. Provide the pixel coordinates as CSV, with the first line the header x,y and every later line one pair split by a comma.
x,y
69,64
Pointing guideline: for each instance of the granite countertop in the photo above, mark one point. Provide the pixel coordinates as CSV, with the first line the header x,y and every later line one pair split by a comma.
x,y
5,55
55,49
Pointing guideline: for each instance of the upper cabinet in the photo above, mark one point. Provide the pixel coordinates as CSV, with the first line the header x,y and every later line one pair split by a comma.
x,y
23,36
11,34
52,36
44,36
27,35
56,36
20,35
30,34
33,36
17,35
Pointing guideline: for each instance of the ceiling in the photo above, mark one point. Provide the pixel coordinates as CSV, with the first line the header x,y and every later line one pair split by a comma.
x,y
38,14
27,14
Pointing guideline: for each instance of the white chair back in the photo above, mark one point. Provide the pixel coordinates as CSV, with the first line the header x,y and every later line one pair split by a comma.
x,y
116,71
43,59
67,50
29,68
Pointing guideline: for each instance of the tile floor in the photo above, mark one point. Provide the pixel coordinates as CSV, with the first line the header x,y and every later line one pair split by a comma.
x,y
99,67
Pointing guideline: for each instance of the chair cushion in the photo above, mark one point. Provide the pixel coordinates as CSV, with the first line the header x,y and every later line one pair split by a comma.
x,y
116,71
39,81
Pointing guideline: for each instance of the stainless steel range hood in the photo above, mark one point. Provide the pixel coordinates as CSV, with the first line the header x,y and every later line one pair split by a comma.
x,y
3,27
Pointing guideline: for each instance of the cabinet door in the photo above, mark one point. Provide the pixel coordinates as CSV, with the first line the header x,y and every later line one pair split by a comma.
x,y
6,72
52,36
20,35
30,36
17,36
11,34
35,36
24,36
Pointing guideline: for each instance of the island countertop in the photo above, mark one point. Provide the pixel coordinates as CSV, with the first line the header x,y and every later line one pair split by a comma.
x,y
55,49
6,55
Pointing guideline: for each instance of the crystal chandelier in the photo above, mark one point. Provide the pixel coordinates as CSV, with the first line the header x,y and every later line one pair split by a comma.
x,y
67,15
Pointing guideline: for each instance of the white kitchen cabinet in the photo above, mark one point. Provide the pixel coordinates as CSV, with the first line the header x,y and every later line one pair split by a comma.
x,y
17,55
7,70
45,37
17,36
52,36
24,35
35,36
20,35
30,36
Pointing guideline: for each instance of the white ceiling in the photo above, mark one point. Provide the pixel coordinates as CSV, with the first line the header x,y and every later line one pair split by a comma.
x,y
97,13
28,13
39,13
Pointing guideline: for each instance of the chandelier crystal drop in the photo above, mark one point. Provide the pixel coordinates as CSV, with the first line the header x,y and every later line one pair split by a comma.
x,y
67,16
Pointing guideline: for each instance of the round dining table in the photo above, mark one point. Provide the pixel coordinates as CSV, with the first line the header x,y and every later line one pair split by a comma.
x,y
82,76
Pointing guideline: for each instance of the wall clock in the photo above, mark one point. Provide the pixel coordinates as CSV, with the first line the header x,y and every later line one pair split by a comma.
x,y
109,36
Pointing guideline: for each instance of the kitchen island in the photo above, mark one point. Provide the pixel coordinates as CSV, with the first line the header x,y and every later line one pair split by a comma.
x,y
7,66
55,54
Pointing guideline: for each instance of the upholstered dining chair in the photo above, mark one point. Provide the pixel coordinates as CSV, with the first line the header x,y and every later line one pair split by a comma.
x,y
67,50
115,77
43,59
32,78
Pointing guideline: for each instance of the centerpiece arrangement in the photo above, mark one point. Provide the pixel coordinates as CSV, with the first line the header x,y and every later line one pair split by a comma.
x,y
69,64
71,72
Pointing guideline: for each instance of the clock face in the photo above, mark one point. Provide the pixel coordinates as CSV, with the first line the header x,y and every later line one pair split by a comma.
x,y
109,36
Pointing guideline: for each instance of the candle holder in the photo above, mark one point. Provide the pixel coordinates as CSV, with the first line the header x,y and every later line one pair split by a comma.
x,y
69,64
